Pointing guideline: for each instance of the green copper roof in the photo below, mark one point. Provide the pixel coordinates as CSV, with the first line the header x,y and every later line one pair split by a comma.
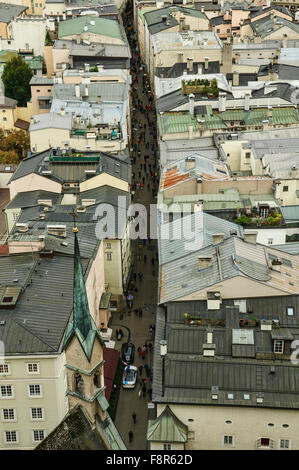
x,y
167,428
179,121
82,318
102,26
82,325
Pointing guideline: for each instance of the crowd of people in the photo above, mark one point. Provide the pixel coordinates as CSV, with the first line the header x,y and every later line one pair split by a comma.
x,y
144,186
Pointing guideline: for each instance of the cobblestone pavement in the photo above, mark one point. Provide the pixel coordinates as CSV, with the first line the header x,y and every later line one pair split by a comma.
x,y
144,152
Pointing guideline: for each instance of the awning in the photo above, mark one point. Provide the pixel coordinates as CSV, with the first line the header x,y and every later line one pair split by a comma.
x,y
20,124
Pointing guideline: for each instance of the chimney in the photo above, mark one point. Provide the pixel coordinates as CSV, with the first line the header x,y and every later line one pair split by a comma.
x,y
250,237
199,185
209,347
164,18
206,63
86,90
78,38
163,347
236,78
204,262
182,24
190,64
198,206
202,9
62,112
222,101
217,238
270,112
191,104
77,91
190,131
86,66
247,101
294,172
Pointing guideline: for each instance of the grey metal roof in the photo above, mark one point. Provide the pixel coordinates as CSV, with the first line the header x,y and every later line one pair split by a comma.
x,y
177,245
50,121
36,80
230,258
30,198
107,91
8,11
292,248
43,309
111,51
173,150
189,376
178,69
111,164
290,213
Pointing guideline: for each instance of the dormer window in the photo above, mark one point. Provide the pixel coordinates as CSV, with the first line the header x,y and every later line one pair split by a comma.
x,y
290,311
278,346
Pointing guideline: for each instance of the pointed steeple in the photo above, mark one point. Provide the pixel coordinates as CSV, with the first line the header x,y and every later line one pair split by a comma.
x,y
81,314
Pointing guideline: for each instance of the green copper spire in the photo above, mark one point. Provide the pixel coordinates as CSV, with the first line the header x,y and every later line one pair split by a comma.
x,y
81,314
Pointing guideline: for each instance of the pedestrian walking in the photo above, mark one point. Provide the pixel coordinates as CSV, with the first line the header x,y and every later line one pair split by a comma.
x,y
145,258
140,276
131,436
116,334
150,347
140,312
134,276
140,368
146,368
143,353
143,390
150,393
134,417
139,351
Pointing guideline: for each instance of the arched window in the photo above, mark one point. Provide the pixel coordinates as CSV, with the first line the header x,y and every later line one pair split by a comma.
x,y
79,384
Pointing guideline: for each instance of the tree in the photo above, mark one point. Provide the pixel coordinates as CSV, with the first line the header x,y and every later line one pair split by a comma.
x,y
16,77
15,143
48,39
8,157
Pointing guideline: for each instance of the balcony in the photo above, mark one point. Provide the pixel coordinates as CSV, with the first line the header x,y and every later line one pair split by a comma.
x,y
262,216
97,133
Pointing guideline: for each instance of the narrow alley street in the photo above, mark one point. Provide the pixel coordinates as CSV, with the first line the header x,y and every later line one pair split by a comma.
x,y
145,179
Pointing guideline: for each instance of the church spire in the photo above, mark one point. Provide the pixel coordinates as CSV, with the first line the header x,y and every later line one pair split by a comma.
x,y
81,314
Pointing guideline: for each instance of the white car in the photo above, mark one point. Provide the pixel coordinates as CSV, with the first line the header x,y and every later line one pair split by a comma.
x,y
129,377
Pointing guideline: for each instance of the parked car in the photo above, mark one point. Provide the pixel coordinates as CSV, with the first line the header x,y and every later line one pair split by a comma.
x,y
127,353
129,377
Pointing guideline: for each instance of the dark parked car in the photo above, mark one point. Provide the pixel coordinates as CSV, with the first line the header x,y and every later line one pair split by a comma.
x,y
127,352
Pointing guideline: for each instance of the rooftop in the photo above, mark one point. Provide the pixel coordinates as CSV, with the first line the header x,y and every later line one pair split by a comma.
x,y
194,166
8,12
94,25
68,170
187,40
229,259
246,371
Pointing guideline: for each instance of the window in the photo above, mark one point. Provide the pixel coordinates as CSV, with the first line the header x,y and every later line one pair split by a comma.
x,y
11,437
4,119
37,413
166,446
34,390
109,256
270,241
228,421
33,368
38,435
3,110
265,442
8,414
285,189
228,440
15,216
230,396
191,435
247,155
284,444
278,346
285,425
290,311
228,30
246,396
271,425
6,391
108,245
4,369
